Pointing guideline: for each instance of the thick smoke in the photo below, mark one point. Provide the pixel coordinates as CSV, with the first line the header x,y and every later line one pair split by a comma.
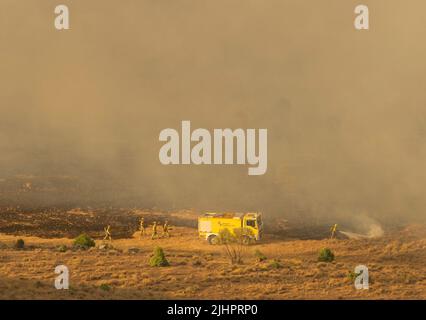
x,y
345,110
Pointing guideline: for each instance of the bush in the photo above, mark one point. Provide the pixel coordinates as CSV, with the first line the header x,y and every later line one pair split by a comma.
x,y
105,287
260,256
19,244
235,243
83,241
62,248
275,264
352,276
326,255
158,259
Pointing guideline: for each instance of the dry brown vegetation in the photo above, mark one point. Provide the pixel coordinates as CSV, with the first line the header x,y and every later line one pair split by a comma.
x,y
197,270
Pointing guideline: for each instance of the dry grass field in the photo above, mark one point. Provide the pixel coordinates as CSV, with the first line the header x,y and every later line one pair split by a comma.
x,y
197,270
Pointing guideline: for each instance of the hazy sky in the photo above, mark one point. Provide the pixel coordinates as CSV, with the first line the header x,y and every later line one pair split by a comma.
x,y
345,109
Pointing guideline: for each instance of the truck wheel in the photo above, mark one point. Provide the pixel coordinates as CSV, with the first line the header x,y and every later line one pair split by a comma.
x,y
246,240
213,239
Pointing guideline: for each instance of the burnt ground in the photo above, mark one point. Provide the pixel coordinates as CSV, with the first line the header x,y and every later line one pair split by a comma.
x,y
69,223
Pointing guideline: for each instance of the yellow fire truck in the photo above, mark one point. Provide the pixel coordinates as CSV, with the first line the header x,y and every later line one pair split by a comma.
x,y
211,224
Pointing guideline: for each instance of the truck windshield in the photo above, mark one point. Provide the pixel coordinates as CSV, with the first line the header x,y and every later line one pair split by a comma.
x,y
251,223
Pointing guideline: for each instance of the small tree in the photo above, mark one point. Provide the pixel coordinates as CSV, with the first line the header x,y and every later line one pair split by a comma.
x,y
83,241
158,258
20,244
326,255
234,243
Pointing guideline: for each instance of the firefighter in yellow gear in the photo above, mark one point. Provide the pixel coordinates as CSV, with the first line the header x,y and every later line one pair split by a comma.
x,y
166,229
142,228
333,230
154,230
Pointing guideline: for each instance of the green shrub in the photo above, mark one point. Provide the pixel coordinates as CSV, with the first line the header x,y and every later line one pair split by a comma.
x,y
326,255
158,259
275,264
83,241
62,248
105,287
352,276
19,244
260,256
